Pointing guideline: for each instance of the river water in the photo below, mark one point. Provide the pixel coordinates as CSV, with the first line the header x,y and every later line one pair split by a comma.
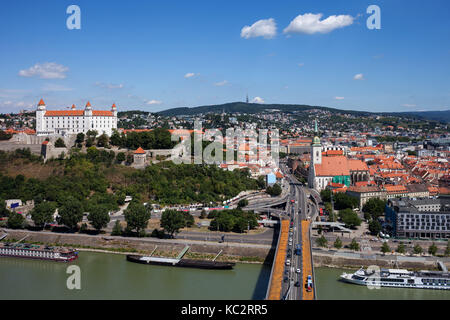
x,y
110,276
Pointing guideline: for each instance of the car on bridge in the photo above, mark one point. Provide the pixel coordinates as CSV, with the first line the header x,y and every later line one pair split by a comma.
x,y
309,283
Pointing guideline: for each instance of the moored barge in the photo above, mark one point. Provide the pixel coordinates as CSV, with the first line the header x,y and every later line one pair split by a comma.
x,y
184,263
40,252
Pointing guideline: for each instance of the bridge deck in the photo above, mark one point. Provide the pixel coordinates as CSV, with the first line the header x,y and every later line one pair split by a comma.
x,y
277,276
307,264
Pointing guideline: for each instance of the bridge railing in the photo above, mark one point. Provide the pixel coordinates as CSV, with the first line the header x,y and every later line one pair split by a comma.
x,y
274,260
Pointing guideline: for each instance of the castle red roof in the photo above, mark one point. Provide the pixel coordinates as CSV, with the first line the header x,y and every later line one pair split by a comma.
x,y
76,113
139,151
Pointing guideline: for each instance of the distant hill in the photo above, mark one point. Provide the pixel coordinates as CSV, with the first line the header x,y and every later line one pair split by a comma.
x,y
428,115
249,108
252,108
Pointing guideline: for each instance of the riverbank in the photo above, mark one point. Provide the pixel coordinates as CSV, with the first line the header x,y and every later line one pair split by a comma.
x,y
231,252
345,259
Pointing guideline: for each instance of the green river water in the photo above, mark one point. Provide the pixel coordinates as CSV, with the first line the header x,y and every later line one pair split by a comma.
x,y
110,276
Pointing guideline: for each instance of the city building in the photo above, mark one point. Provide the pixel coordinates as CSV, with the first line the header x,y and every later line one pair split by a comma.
x,y
73,121
419,218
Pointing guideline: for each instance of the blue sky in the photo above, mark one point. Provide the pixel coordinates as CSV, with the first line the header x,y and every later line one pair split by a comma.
x,y
155,55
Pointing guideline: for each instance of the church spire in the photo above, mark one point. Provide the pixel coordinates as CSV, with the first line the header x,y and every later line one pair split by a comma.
x,y
316,140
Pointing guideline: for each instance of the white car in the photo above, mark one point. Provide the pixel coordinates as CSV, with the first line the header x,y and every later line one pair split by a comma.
x,y
298,271
288,262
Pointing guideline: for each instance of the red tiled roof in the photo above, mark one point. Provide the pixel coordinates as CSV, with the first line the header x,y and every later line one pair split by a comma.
x,y
139,151
333,153
101,113
395,189
332,166
76,113
63,113
41,103
355,165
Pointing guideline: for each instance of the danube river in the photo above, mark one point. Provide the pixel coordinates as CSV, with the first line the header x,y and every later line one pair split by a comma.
x,y
110,276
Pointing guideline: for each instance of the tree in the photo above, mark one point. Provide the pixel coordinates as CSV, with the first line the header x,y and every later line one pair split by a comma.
x,y
447,249
354,245
385,247
374,226
70,213
189,219
417,249
15,221
92,134
322,242
80,138
350,218
103,140
326,195
172,221
401,248
137,216
332,217
120,157
59,143
99,217
242,203
203,214
274,190
432,249
374,207
344,201
117,229
338,243
42,213
3,211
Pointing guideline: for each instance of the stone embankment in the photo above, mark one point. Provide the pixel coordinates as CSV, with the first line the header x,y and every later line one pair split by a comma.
x,y
167,247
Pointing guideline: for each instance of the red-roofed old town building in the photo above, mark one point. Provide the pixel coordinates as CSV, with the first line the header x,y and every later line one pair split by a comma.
x,y
334,168
49,122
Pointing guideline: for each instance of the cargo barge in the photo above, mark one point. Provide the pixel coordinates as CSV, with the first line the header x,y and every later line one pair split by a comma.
x,y
39,252
184,263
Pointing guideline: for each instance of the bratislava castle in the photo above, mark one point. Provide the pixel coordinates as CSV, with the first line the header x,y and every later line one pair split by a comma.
x,y
49,122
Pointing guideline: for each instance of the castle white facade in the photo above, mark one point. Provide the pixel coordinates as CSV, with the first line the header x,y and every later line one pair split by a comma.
x,y
63,122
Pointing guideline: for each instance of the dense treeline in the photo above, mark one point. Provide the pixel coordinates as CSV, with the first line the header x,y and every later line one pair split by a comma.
x,y
233,220
93,182
168,183
156,139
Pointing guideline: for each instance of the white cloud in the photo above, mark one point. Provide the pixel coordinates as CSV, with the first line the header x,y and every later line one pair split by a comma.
x,y
153,102
47,70
265,28
221,83
408,105
301,65
258,100
16,104
190,75
358,76
339,98
310,23
110,86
